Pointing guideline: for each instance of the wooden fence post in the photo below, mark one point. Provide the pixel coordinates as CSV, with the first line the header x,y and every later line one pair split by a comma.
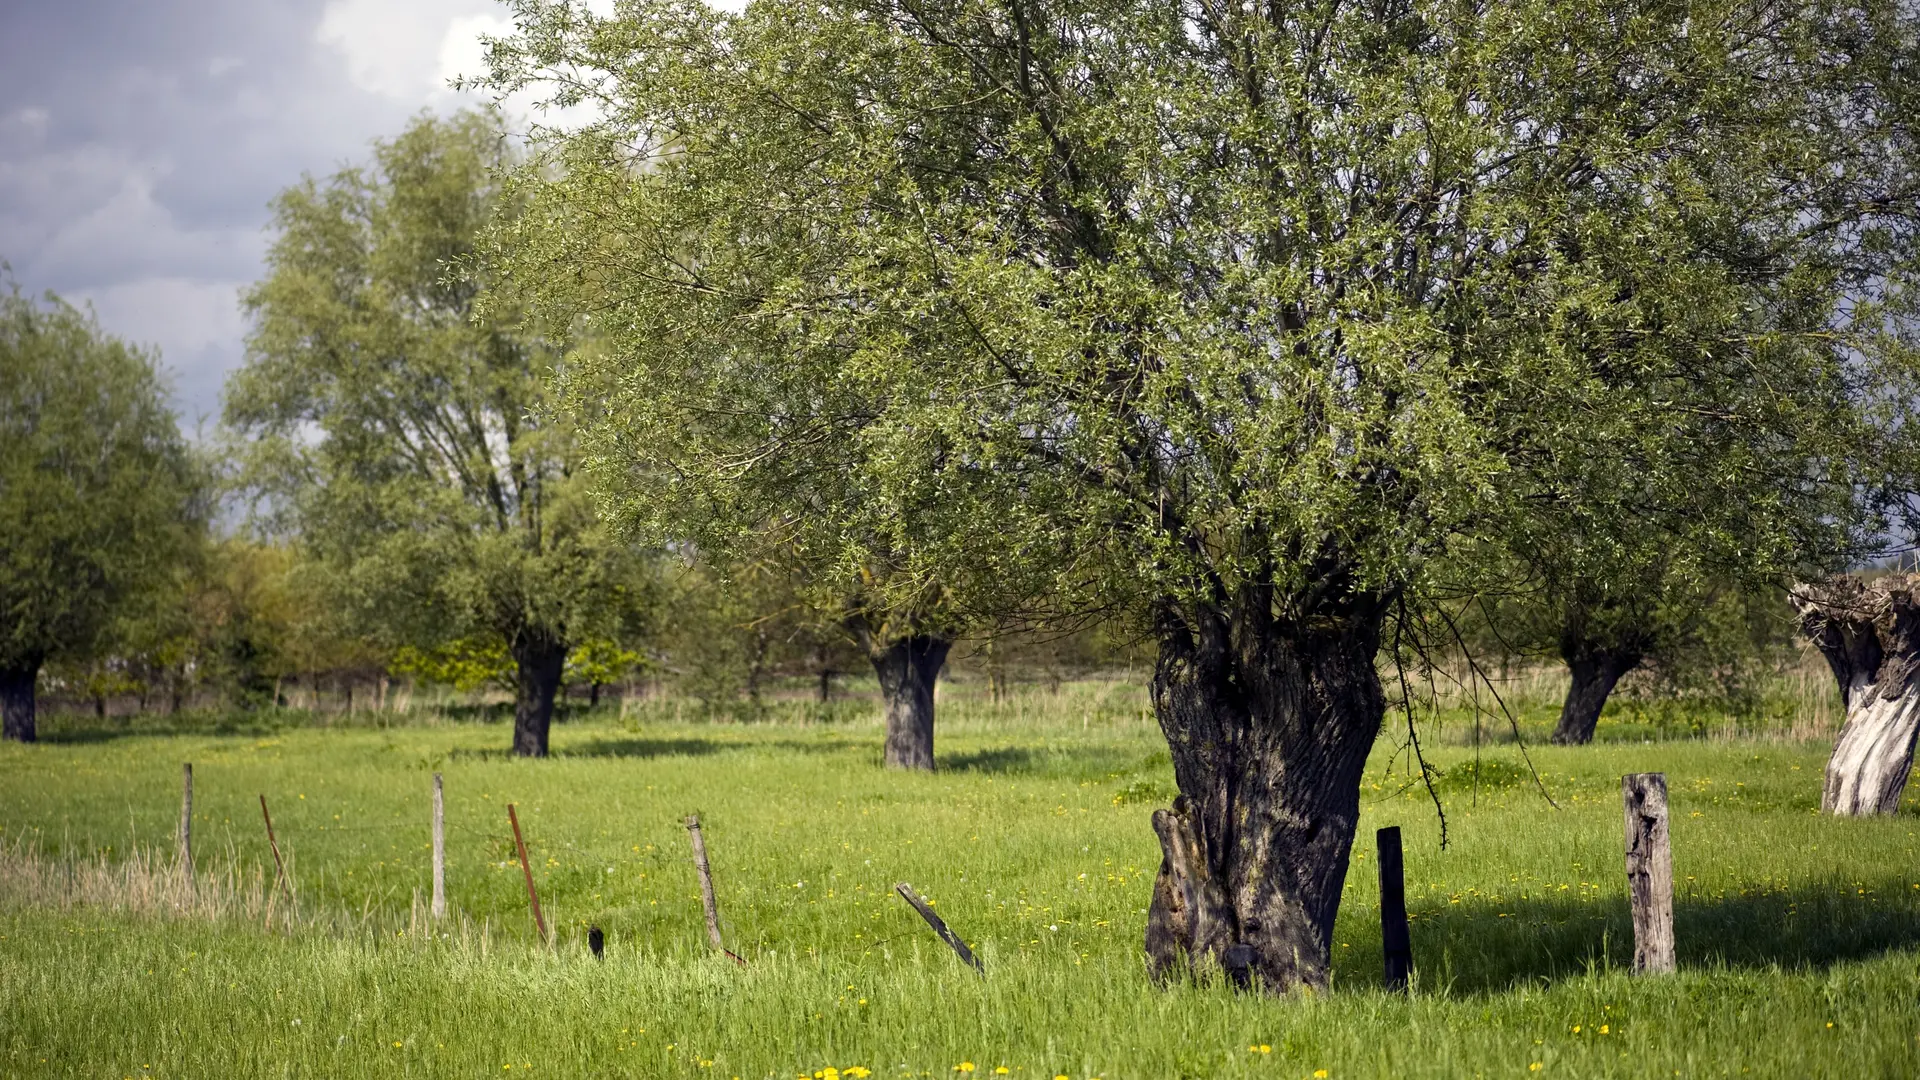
x,y
186,822
439,908
706,886
939,926
533,898
1395,942
1649,870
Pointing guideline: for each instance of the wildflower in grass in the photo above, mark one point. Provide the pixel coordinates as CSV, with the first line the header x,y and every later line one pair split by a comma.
x,y
1319,1074
1535,1067
1001,1070
857,1072
1603,1029
965,1067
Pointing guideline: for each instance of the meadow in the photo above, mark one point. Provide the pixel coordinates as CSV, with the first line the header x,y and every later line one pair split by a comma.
x,y
1798,935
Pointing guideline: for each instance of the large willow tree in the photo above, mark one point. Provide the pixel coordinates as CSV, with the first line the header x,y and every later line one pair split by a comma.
x,y
1232,316
404,439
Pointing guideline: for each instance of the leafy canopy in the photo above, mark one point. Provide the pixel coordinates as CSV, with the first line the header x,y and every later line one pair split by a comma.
x,y
406,440
100,497
1193,306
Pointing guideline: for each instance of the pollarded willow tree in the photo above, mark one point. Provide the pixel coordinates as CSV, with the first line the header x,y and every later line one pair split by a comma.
x,y
404,440
1230,316
101,500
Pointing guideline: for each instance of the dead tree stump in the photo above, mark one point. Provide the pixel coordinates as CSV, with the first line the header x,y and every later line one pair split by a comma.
x,y
1869,631
1649,870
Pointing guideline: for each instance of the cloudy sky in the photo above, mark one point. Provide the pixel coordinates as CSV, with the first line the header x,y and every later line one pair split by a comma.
x,y
140,143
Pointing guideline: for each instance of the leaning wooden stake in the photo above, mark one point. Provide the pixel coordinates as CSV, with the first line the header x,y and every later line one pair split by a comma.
x,y
533,898
1649,870
186,822
279,867
939,926
1395,942
706,886
439,908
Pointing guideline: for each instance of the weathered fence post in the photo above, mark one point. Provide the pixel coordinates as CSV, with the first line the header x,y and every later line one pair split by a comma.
x,y
939,926
1395,942
186,822
439,908
533,898
706,886
1649,870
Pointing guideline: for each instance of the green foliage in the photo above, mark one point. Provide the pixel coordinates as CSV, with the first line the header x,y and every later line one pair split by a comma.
x,y
100,498
466,664
1153,306
406,438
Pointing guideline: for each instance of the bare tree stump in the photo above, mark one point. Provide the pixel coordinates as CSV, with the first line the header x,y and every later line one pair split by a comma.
x,y
1869,631
1649,870
939,926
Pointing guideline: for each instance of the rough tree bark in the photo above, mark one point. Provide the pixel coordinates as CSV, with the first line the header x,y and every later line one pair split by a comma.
x,y
539,660
1595,672
1869,631
16,700
907,669
1269,724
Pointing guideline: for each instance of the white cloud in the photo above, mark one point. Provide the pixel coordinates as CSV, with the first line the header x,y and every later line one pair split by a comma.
x,y
399,50
196,324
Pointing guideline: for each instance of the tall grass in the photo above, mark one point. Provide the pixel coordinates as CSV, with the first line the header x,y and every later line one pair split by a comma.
x,y
1033,842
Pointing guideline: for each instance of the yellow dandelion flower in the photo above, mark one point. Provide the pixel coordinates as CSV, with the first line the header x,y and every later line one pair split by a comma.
x,y
1604,1029
1265,1049
858,1072
1576,1029
1319,1074
1001,1070
965,1066
1535,1067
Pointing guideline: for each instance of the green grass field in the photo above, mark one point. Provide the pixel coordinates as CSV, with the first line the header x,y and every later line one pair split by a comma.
x,y
1799,936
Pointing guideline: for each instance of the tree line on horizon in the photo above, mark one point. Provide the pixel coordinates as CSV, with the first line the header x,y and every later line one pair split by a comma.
x,y
1279,340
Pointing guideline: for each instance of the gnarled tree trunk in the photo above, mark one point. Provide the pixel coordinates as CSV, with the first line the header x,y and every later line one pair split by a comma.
x,y
1269,725
16,700
1869,631
1595,672
539,659
907,669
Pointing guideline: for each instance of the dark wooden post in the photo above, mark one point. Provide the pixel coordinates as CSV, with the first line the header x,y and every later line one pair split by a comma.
x,y
533,898
1395,942
439,908
186,822
1649,870
939,926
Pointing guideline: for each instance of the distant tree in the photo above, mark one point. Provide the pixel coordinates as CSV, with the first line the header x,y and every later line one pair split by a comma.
x,y
1230,317
404,435
100,496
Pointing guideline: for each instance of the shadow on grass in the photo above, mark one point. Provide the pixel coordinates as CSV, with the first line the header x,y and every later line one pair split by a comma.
x,y
1478,947
645,748
1075,762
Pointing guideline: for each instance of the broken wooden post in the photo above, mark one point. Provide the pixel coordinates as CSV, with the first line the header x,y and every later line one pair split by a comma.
x,y
439,908
1649,870
186,822
533,898
939,926
1395,942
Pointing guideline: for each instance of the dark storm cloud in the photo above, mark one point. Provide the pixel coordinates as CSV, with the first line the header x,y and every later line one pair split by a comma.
x,y
141,143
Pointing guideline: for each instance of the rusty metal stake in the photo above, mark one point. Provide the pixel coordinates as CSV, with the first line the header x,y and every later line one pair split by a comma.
x,y
533,897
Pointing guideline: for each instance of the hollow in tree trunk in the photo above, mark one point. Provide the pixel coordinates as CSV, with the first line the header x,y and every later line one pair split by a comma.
x,y
1869,631
1595,672
539,659
907,669
16,699
1269,724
